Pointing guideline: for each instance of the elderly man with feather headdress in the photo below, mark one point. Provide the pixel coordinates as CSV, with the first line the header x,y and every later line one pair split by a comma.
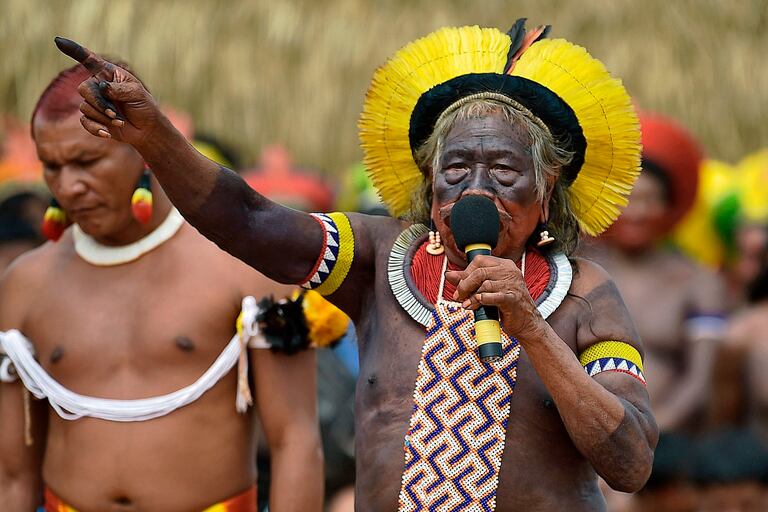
x,y
538,128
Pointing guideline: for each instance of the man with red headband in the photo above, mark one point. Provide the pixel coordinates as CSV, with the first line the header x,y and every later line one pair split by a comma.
x,y
677,306
125,326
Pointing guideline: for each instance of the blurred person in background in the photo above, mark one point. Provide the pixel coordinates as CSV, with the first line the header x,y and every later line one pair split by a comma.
x,y
723,470
18,161
746,353
26,203
677,305
16,237
730,469
130,303
277,178
20,215
726,229
750,233
732,221
484,122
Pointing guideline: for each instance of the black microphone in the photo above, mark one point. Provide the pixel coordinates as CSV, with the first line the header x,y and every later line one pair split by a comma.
x,y
475,226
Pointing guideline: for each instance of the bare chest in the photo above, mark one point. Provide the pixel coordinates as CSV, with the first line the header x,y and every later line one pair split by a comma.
x,y
144,328
392,346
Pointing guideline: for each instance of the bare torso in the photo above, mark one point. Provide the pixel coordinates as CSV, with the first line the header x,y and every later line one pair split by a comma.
x,y
138,330
748,339
541,469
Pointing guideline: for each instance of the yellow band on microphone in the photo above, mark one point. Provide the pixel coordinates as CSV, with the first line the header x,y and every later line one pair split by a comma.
x,y
487,331
474,247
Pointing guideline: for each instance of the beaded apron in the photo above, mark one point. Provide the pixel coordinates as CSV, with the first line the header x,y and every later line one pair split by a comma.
x,y
456,437
455,441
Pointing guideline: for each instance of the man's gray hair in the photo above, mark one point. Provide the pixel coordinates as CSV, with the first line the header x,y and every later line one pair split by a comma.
x,y
548,159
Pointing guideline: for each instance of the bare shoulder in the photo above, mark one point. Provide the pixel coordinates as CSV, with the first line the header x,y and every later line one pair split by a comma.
x,y
32,266
372,237
23,279
587,275
706,291
376,224
378,230
603,315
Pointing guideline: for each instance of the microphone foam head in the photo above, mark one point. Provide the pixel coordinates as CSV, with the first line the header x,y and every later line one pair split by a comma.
x,y
475,220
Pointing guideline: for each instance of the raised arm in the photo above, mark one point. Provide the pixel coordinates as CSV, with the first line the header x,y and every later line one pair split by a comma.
x,y
282,243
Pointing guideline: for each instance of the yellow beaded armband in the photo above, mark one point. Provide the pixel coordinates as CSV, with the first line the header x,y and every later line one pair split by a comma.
x,y
612,356
336,256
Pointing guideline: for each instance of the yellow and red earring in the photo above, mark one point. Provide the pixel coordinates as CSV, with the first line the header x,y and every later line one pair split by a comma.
x,y
141,202
54,221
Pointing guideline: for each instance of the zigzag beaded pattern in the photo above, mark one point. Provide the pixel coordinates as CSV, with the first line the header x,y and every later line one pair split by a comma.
x,y
612,356
455,442
615,364
330,253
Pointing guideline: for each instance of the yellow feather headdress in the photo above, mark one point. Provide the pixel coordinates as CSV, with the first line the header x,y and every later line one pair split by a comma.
x,y
560,83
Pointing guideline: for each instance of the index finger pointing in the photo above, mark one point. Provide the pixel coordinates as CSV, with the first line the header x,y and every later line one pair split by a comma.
x,y
84,56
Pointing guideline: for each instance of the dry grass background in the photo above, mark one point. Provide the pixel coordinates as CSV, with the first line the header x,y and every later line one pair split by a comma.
x,y
296,71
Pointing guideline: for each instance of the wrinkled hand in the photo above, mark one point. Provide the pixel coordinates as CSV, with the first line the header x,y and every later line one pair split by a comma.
x,y
492,281
116,103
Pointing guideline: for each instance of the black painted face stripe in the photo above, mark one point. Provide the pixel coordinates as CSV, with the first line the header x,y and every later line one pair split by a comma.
x,y
552,110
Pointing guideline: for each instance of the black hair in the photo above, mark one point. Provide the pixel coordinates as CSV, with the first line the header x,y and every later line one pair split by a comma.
x,y
757,290
15,224
16,229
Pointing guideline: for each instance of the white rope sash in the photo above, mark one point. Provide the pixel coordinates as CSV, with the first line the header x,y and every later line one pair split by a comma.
x,y
71,406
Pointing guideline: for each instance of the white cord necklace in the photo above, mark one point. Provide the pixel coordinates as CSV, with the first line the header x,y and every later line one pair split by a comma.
x,y
71,406
102,255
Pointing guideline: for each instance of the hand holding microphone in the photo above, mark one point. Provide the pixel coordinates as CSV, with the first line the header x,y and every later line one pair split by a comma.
x,y
495,287
475,226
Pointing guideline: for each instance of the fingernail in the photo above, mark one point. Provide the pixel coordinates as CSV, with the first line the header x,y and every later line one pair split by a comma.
x,y
104,133
466,304
117,122
111,113
455,295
